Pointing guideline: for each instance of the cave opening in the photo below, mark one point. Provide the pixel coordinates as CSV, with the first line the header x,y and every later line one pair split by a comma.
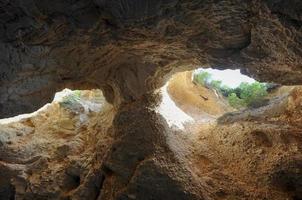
x,y
205,94
244,145
79,102
198,96
228,124
235,124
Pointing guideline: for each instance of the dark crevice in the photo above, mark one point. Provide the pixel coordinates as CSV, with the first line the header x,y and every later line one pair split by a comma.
x,y
12,192
288,21
288,178
100,187
7,191
297,198
107,171
71,182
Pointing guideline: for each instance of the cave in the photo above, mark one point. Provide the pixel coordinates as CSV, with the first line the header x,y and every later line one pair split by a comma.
x,y
119,56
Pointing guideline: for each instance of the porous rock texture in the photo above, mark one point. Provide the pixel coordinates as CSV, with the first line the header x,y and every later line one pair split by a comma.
x,y
129,48
56,153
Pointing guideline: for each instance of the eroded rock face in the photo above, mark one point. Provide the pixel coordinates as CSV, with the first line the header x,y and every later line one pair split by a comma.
x,y
58,152
128,47
262,147
141,164
67,151
70,151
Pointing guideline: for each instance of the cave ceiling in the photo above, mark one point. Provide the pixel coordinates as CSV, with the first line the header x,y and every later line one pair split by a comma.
x,y
129,47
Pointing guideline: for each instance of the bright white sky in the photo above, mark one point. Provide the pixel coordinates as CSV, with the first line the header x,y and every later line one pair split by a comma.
x,y
231,78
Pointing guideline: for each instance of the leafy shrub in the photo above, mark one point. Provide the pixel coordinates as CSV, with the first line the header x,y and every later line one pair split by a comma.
x,y
71,99
202,78
235,102
252,93
216,84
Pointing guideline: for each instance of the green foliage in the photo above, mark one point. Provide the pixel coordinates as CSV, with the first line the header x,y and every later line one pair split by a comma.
x,y
249,95
77,93
252,93
216,84
202,78
235,102
71,99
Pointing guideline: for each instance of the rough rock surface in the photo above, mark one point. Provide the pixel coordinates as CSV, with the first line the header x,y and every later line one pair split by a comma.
x,y
57,153
68,152
254,154
129,48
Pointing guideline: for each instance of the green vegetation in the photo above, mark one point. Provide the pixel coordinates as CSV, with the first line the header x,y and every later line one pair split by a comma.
x,y
216,84
245,95
202,78
235,101
252,93
71,99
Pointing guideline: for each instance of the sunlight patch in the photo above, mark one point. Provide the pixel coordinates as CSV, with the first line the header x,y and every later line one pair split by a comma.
x,y
76,100
173,114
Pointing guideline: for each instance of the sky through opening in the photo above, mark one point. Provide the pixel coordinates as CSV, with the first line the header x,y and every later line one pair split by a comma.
x,y
229,77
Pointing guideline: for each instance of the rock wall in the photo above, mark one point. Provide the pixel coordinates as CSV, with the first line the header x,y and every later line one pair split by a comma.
x,y
56,153
72,150
129,48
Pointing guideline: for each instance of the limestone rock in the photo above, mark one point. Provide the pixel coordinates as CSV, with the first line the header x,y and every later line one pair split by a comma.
x,y
129,48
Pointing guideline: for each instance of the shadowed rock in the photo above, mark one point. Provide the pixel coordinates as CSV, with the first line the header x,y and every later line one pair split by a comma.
x,y
129,48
